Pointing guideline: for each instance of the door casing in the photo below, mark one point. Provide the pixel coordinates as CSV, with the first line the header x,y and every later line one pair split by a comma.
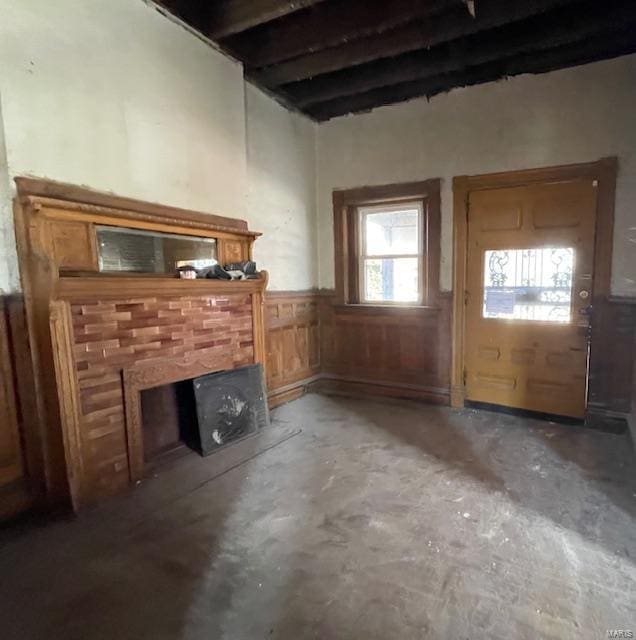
x,y
602,171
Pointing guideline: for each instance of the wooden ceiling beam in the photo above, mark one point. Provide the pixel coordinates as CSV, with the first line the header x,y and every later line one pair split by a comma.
x,y
410,37
621,42
230,17
553,29
328,25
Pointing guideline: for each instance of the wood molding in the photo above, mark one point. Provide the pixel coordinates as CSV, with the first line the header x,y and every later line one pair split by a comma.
x,y
68,395
602,171
258,325
346,233
394,347
27,408
460,240
73,387
38,277
290,392
379,194
11,455
106,287
73,197
612,354
292,322
357,386
147,375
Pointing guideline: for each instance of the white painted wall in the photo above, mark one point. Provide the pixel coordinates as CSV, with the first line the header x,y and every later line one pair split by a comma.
x,y
113,95
281,172
8,258
569,116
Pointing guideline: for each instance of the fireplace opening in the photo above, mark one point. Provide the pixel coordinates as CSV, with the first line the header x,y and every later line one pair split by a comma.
x,y
231,405
204,414
169,420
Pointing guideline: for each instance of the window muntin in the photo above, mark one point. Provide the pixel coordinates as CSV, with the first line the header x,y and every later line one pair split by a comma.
x,y
529,284
390,253
137,251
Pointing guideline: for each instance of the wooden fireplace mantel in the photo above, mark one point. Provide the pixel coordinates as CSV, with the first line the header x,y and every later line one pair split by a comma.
x,y
105,288
91,332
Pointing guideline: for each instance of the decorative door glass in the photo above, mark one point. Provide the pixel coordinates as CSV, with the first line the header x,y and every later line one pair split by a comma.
x,y
529,284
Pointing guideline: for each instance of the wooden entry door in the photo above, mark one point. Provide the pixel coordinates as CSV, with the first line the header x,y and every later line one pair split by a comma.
x,y
529,281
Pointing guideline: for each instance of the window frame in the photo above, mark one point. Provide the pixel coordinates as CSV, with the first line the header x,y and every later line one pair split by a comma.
x,y
347,237
365,210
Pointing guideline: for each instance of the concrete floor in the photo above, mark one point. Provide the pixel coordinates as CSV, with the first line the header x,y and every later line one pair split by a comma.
x,y
379,521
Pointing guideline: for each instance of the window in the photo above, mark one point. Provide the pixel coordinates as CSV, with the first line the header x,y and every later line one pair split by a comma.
x,y
387,244
390,252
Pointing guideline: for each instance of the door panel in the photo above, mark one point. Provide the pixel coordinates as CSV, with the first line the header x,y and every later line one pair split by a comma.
x,y
529,283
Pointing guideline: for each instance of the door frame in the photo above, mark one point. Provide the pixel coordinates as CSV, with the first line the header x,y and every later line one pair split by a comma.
x,y
603,171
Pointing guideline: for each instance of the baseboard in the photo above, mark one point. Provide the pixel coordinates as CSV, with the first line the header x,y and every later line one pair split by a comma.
x,y
606,420
631,424
329,383
282,395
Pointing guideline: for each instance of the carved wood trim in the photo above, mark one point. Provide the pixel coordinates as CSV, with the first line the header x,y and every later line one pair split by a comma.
x,y
38,205
346,234
292,324
106,287
72,194
68,395
155,374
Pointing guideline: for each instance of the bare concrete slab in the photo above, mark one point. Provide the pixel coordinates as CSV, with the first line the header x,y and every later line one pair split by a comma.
x,y
377,521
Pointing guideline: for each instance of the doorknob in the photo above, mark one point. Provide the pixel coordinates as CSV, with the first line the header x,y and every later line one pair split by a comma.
x,y
584,295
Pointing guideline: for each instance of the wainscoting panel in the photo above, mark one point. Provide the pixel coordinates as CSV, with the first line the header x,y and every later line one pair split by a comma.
x,y
292,326
611,360
397,351
14,491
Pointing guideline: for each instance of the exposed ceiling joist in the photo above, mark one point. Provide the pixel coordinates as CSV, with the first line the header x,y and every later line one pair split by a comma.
x,y
588,50
411,37
229,17
539,33
330,24
332,57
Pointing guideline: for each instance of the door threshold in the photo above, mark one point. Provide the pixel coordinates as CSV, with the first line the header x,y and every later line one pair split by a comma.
x,y
523,413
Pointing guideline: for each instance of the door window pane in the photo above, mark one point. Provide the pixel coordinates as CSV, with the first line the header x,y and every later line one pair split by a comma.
x,y
529,284
391,279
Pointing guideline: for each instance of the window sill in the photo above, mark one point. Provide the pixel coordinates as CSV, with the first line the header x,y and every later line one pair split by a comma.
x,y
386,309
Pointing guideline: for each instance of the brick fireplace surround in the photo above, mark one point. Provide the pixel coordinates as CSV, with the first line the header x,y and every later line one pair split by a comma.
x,y
100,338
159,340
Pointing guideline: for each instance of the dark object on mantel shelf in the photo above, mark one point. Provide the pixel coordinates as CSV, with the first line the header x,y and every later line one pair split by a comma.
x,y
242,270
234,271
216,272
248,267
231,405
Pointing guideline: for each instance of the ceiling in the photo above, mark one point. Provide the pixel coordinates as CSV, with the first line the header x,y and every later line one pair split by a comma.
x,y
328,58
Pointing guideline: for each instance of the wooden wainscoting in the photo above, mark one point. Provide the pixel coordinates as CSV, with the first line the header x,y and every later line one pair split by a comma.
x,y
394,351
292,326
15,491
611,361
631,416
